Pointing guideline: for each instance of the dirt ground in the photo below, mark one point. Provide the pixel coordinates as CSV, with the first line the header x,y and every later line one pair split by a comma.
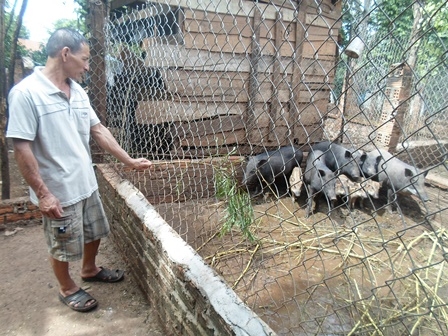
x,y
29,303
300,268
28,290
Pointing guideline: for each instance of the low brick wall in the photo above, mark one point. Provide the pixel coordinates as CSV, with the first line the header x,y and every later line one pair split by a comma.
x,y
17,209
191,299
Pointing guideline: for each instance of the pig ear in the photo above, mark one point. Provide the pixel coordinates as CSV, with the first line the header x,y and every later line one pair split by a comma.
x,y
378,159
363,157
408,172
261,162
321,172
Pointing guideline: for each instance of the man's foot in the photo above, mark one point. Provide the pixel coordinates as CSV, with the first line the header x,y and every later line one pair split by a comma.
x,y
80,301
106,275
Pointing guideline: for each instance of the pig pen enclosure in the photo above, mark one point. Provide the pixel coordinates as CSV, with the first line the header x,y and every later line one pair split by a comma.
x,y
199,86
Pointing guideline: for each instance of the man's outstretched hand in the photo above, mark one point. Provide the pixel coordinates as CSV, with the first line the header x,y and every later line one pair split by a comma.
x,y
140,164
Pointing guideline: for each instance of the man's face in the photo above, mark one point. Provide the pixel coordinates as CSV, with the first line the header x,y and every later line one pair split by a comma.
x,y
77,64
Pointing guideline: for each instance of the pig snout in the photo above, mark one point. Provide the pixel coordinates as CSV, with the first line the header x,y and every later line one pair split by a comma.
x,y
423,195
330,191
332,198
249,178
296,190
354,172
417,188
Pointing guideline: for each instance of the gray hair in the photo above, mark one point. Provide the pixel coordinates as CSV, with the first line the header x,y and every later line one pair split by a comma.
x,y
64,37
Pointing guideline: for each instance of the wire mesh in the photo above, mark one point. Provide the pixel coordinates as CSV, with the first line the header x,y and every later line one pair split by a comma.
x,y
198,86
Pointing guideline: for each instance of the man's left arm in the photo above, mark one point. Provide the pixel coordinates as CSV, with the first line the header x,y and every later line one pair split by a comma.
x,y
106,141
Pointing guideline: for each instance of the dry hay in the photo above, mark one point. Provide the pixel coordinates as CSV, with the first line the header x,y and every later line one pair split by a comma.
x,y
368,275
350,272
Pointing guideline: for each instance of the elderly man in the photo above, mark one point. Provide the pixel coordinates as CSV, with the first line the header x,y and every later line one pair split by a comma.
x,y
51,122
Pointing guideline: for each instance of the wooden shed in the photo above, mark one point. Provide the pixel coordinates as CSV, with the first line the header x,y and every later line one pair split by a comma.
x,y
236,73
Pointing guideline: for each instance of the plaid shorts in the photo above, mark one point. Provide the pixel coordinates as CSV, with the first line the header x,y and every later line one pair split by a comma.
x,y
82,223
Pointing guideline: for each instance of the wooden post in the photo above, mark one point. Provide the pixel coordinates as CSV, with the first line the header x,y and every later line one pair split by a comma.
x,y
97,86
249,119
276,80
348,100
97,64
297,74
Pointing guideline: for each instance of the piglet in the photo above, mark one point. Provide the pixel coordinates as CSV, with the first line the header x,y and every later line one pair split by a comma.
x,y
296,182
343,186
399,176
363,190
318,178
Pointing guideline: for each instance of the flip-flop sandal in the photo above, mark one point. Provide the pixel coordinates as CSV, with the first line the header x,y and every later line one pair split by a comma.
x,y
77,301
106,275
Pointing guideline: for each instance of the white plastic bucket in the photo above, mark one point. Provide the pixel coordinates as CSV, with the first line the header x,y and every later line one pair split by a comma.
x,y
355,48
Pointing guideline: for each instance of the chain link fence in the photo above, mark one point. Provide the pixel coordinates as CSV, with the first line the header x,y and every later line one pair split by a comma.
x,y
199,86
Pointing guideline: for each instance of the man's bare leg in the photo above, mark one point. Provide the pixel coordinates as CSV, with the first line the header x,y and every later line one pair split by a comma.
x,y
66,284
61,270
91,272
89,268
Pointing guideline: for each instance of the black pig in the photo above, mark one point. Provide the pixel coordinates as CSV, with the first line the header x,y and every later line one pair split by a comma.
x,y
339,159
270,171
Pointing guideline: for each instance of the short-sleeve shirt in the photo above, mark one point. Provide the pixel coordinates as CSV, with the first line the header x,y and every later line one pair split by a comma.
x,y
59,131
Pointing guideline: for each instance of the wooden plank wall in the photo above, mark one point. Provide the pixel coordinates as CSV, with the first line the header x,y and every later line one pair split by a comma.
x,y
255,76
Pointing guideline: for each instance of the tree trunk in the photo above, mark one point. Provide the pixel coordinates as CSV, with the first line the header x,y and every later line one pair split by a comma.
x,y
2,53
6,184
12,56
